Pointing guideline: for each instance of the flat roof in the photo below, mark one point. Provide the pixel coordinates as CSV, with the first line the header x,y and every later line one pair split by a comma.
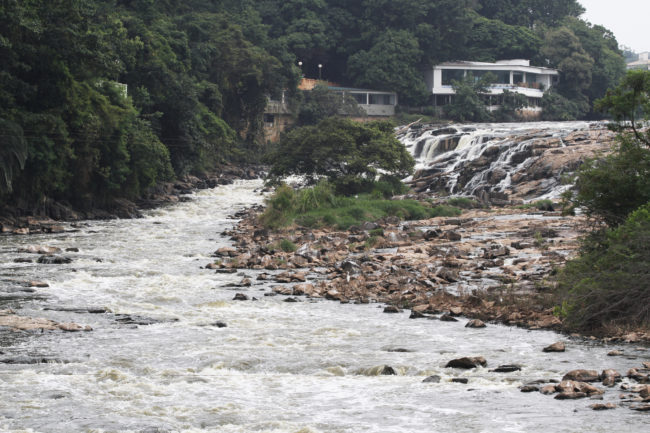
x,y
501,64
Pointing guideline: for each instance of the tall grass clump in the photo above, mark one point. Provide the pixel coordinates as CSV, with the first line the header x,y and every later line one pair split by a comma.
x,y
319,206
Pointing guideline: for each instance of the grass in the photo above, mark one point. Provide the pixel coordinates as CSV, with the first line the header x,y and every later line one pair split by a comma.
x,y
464,203
320,207
540,205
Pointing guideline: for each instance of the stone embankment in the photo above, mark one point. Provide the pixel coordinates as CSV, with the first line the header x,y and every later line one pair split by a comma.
x,y
488,264
47,215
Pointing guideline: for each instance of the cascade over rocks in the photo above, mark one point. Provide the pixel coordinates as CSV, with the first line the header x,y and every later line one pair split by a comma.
x,y
501,163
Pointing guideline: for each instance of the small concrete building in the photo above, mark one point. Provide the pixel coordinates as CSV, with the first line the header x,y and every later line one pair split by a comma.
x,y
512,75
375,104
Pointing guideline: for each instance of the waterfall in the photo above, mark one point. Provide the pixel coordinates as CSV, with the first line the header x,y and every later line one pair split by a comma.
x,y
522,161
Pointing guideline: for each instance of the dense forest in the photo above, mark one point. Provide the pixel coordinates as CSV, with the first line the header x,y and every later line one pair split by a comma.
x,y
104,98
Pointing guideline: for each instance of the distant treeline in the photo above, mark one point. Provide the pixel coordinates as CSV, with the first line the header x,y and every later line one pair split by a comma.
x,y
103,98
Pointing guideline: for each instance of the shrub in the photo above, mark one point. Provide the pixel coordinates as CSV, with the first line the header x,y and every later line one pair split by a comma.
x,y
464,203
610,188
608,283
287,246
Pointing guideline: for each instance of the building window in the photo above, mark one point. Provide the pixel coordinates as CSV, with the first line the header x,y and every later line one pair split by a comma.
x,y
517,77
269,119
376,99
449,75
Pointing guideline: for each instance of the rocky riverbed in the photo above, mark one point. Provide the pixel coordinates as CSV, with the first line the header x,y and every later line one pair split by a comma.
x,y
488,264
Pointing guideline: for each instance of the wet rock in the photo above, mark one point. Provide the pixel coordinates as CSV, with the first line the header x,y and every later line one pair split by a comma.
x,y
54,260
220,324
73,327
40,249
134,319
495,250
610,377
291,300
548,390
388,371
460,380
72,250
416,315
601,406
39,284
240,297
570,395
467,362
573,386
226,271
529,388
392,309
452,236
246,282
641,408
447,274
455,311
476,323
226,252
23,260
432,234
506,369
333,295
448,318
615,353
555,347
432,379
582,376
645,391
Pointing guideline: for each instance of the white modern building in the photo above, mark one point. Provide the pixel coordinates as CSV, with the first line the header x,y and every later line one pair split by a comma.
x,y
512,75
642,63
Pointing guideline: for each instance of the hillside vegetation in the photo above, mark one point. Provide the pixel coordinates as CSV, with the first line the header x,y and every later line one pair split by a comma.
x,y
100,99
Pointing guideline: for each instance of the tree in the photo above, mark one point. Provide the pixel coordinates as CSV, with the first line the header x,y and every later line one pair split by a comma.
x,y
629,104
321,103
390,65
610,188
468,103
607,285
343,151
511,105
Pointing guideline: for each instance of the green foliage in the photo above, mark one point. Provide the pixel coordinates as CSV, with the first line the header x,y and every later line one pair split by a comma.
x,y
391,63
464,203
513,102
321,103
629,104
13,152
318,206
589,60
287,246
468,104
609,188
345,152
608,284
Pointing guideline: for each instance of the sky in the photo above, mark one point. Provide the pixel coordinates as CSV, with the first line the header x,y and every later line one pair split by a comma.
x,y
628,19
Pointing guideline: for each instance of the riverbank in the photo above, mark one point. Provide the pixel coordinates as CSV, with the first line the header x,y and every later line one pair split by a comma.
x,y
47,215
492,265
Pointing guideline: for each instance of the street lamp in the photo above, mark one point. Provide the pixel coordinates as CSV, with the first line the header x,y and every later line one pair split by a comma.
x,y
300,66
320,71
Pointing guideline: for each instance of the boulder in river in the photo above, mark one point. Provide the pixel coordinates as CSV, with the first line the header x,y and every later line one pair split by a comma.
x,y
582,376
54,260
555,347
240,297
467,362
432,379
476,323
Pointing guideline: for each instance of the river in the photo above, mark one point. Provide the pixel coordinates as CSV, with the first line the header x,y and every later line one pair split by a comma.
x,y
302,367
